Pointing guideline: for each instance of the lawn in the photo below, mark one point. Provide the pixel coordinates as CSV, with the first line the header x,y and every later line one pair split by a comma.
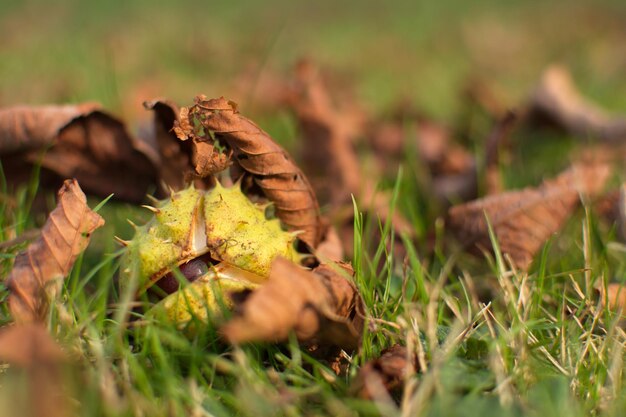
x,y
483,336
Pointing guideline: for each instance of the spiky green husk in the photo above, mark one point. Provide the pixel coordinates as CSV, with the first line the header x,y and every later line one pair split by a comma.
x,y
205,298
239,233
221,221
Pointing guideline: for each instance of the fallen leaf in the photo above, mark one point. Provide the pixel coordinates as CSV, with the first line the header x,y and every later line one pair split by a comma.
x,y
523,220
330,130
75,141
558,101
174,156
272,168
384,375
452,169
495,142
615,297
330,247
40,268
30,350
483,95
329,136
320,306
182,161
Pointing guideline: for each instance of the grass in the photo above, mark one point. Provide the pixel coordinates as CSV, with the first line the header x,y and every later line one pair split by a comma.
x,y
536,344
495,341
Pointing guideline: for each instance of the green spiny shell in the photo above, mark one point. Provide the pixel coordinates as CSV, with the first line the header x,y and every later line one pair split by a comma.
x,y
222,222
205,296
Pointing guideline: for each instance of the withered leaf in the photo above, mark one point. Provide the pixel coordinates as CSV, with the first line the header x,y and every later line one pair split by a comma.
x,y
271,166
31,349
174,157
182,161
329,136
495,142
330,247
384,375
558,100
523,220
320,306
38,270
451,167
330,130
80,142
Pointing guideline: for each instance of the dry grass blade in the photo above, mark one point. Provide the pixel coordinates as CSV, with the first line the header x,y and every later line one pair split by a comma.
x,y
271,166
523,220
320,306
30,349
558,100
49,259
75,142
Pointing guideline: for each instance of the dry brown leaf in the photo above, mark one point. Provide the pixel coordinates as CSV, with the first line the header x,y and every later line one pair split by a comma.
x,y
615,298
452,169
30,348
330,131
320,306
80,142
384,375
174,156
38,270
329,137
557,100
271,166
523,220
495,142
180,160
330,247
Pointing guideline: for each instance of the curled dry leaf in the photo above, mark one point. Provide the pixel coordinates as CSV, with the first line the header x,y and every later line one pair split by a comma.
x,y
320,306
384,375
330,247
174,156
558,100
38,270
329,136
80,142
523,220
31,349
182,160
330,131
273,170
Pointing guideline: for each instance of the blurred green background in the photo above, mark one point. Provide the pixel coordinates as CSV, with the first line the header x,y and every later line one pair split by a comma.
x,y
123,52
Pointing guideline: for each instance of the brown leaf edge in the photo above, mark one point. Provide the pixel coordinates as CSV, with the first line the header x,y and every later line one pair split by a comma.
x,y
321,306
80,141
557,99
30,348
384,376
523,220
272,168
329,133
46,261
